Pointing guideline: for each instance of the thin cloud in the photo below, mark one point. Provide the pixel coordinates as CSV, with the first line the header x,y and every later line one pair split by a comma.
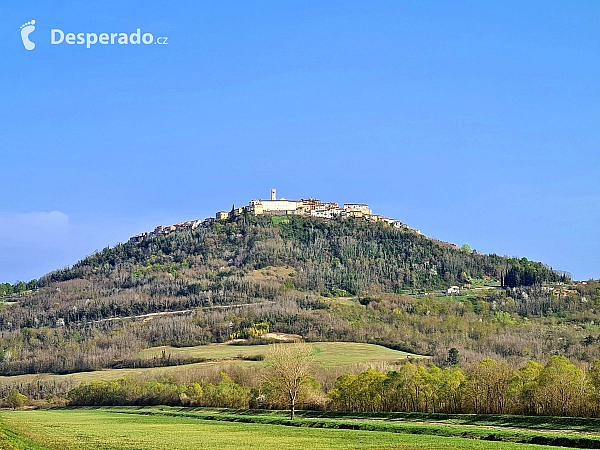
x,y
33,226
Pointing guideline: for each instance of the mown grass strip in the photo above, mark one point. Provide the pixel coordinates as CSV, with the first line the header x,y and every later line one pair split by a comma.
x,y
534,422
497,420
527,437
579,424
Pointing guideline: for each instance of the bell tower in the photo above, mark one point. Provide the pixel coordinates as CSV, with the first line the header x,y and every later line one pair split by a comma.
x,y
273,194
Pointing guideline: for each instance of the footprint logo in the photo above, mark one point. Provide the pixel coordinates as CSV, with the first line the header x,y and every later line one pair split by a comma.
x,y
26,30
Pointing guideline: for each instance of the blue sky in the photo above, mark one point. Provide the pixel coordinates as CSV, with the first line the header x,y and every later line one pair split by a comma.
x,y
475,122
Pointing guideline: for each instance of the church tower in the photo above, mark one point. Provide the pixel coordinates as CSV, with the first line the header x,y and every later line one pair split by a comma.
x,y
273,194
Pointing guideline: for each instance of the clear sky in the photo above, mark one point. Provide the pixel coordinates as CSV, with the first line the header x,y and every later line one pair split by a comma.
x,y
475,122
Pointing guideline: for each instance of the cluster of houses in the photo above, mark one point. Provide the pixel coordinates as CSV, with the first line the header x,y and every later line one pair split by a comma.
x,y
166,229
309,207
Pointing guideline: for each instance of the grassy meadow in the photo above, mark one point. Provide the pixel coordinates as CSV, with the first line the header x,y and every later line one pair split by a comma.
x,y
107,428
327,356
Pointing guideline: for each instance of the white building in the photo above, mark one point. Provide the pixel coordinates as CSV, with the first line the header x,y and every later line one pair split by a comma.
x,y
453,290
326,213
275,206
362,207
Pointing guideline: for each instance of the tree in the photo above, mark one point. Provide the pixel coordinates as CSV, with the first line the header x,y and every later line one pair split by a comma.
x,y
451,387
453,357
466,248
32,284
489,386
194,393
525,385
227,394
341,394
20,287
16,400
289,371
368,390
425,383
560,387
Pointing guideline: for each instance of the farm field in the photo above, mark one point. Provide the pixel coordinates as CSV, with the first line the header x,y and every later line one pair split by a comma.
x,y
327,354
105,428
115,374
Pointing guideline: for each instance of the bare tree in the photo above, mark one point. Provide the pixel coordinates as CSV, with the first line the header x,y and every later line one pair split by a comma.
x,y
289,370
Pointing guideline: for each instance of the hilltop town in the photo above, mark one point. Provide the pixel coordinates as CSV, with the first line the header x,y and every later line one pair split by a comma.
x,y
305,207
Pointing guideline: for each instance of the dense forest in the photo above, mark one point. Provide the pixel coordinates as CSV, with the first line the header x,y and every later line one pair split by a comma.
x,y
323,279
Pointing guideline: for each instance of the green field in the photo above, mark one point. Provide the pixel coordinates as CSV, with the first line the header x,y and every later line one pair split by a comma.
x,y
327,354
115,374
106,429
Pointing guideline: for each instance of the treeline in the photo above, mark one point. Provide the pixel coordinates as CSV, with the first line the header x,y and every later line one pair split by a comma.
x,y
523,272
17,288
557,388
167,391
133,391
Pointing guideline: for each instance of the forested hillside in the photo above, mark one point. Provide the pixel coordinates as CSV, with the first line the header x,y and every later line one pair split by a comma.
x,y
323,279
328,255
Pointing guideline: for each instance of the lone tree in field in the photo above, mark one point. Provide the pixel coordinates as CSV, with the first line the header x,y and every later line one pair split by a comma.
x,y
289,370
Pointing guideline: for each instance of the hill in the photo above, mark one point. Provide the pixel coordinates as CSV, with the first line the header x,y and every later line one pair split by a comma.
x,y
323,279
206,362
329,256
